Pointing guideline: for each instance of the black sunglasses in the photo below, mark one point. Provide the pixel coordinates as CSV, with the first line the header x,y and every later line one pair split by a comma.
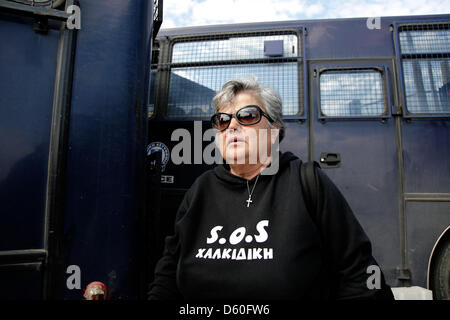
x,y
246,116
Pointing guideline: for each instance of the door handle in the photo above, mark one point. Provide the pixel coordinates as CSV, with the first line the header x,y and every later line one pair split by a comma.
x,y
330,160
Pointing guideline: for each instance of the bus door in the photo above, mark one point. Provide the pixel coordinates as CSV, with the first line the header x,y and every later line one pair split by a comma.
x,y
35,68
353,139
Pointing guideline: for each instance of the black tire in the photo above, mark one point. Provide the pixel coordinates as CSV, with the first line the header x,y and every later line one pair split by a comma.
x,y
440,272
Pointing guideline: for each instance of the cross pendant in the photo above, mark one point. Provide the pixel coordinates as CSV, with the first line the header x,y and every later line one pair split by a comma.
x,y
249,200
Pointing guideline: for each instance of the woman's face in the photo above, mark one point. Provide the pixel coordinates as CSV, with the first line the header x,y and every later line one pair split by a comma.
x,y
240,144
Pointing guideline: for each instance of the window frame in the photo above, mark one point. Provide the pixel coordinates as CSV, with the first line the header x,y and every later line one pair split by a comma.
x,y
399,60
381,67
299,59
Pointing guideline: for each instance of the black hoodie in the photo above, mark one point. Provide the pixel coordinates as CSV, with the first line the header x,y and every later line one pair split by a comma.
x,y
271,250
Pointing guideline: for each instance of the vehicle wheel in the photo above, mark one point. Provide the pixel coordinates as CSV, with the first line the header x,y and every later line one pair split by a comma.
x,y
440,272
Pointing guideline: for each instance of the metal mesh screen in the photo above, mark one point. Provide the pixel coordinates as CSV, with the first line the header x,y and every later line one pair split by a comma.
x,y
200,68
157,16
427,85
424,39
192,89
43,3
231,49
152,93
425,52
351,93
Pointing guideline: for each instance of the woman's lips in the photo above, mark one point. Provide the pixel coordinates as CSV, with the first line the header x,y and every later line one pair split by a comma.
x,y
235,140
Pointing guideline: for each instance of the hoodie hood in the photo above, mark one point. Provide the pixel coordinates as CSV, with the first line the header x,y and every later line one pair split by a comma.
x,y
222,171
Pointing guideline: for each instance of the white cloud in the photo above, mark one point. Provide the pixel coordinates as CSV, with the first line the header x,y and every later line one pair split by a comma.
x,y
380,8
206,12
194,13
175,13
314,10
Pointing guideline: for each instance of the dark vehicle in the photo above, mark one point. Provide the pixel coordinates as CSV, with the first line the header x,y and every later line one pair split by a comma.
x,y
93,110
73,119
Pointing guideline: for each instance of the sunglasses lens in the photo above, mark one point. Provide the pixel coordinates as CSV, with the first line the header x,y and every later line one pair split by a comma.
x,y
221,121
248,116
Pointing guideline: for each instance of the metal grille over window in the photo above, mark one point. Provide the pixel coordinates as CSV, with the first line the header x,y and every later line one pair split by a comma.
x,y
425,55
346,93
201,66
152,92
42,3
157,16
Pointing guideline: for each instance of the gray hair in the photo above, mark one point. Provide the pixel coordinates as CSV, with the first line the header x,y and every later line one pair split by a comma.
x,y
270,99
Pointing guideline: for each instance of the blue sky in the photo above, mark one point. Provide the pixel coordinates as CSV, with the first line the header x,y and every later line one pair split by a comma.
x,y
183,13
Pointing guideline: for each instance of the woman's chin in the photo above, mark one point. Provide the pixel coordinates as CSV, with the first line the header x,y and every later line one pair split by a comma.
x,y
236,157
234,151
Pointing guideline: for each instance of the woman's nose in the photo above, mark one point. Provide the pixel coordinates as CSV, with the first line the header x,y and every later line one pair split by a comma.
x,y
233,123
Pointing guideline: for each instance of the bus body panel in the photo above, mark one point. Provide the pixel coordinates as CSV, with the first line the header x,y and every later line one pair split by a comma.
x,y
106,147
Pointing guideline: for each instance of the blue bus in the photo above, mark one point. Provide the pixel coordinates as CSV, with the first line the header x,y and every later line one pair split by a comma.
x,y
89,107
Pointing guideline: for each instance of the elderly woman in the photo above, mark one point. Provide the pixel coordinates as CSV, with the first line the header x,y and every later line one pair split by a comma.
x,y
241,233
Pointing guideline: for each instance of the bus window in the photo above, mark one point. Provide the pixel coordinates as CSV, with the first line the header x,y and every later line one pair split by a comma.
x,y
200,67
152,93
425,54
347,93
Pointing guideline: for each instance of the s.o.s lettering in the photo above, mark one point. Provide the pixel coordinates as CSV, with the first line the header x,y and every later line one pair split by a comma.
x,y
235,238
238,235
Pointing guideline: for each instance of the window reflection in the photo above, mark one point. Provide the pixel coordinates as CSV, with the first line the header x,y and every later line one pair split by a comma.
x,y
427,84
192,89
425,51
351,93
425,41
238,48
